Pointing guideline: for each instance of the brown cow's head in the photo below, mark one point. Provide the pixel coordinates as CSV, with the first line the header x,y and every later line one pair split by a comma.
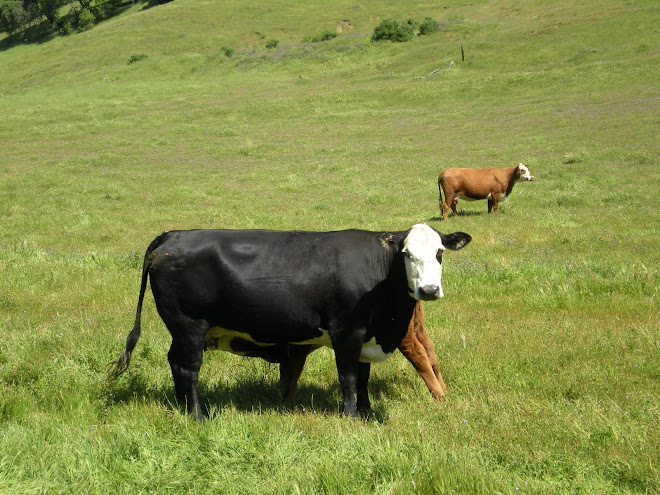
x,y
524,172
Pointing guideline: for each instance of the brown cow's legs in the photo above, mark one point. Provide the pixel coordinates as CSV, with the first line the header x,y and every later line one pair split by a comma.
x,y
417,347
433,359
415,352
450,202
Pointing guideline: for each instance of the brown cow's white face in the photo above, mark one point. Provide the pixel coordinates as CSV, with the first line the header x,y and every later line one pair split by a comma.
x,y
524,173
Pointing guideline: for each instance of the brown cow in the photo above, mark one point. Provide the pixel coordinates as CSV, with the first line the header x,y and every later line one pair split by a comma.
x,y
493,184
416,346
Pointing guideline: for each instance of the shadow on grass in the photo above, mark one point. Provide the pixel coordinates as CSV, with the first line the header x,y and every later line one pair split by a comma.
x,y
154,3
467,213
39,33
251,395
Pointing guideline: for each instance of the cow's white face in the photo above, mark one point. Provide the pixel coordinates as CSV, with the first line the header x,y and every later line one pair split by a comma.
x,y
524,172
423,258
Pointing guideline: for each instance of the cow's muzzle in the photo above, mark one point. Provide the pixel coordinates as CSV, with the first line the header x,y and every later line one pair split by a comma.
x,y
429,292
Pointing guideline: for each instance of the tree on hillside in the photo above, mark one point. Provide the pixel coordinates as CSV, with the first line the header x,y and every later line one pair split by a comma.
x,y
16,14
49,8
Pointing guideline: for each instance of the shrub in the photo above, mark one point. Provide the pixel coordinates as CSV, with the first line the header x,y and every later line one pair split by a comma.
x,y
391,30
428,26
136,58
65,27
413,23
227,51
323,36
272,44
85,20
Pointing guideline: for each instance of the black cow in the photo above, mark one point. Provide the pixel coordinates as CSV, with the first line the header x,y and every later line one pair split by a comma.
x,y
253,292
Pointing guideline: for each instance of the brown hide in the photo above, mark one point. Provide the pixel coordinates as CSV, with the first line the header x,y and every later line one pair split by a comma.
x,y
417,347
488,183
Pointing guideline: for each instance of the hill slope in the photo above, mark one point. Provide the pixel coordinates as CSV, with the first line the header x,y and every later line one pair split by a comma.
x,y
548,334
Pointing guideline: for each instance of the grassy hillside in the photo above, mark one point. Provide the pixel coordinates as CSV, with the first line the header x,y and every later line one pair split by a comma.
x,y
547,336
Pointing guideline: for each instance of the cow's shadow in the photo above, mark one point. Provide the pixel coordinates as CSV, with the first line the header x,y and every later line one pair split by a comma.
x,y
249,395
462,213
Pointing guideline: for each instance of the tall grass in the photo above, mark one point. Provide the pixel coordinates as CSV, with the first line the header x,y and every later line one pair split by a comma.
x,y
548,334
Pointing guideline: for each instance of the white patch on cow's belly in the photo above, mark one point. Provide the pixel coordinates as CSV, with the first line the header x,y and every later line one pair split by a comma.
x,y
219,339
373,353
323,339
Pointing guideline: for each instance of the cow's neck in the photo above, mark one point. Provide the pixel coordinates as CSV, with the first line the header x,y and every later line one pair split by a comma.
x,y
391,317
513,178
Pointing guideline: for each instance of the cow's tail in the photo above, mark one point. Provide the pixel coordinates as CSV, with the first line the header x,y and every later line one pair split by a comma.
x,y
440,202
116,368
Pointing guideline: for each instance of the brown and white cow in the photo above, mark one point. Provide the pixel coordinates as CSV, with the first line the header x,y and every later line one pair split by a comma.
x,y
493,184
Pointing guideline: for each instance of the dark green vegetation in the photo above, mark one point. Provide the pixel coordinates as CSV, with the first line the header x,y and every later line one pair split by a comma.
x,y
393,31
548,333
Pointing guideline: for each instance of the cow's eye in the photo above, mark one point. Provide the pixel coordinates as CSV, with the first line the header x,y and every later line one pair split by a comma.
x,y
438,256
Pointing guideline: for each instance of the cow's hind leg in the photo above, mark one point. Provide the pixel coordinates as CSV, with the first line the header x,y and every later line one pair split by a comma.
x,y
185,357
290,369
450,202
453,205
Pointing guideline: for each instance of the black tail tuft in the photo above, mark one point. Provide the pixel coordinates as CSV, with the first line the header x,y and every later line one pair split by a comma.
x,y
116,368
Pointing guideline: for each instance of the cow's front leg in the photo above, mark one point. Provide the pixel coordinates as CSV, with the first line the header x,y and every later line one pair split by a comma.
x,y
495,203
347,357
363,403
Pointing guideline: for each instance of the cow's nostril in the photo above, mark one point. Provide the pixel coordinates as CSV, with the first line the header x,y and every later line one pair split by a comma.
x,y
429,292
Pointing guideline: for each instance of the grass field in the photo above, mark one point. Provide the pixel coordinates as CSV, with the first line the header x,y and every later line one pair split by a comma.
x,y
548,335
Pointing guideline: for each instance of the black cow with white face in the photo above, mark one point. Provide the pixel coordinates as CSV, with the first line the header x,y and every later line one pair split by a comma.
x,y
273,293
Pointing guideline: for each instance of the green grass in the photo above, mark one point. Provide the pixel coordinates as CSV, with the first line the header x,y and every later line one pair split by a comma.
x,y
547,336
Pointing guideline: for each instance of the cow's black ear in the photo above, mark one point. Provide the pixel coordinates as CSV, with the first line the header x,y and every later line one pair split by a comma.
x,y
455,241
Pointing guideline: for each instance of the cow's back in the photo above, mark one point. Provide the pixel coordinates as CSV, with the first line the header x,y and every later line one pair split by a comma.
x,y
275,285
473,183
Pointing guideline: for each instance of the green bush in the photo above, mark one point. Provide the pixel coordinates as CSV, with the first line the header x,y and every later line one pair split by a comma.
x,y
323,36
227,51
85,20
428,26
413,23
65,26
391,30
272,44
136,58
